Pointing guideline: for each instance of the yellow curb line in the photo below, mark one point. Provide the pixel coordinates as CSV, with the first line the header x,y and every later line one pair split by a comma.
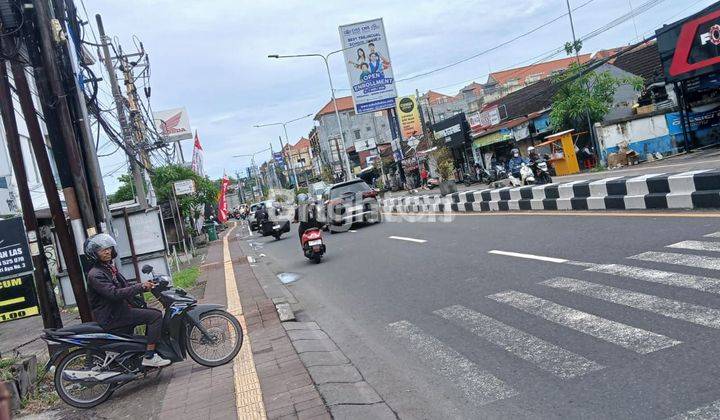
x,y
248,397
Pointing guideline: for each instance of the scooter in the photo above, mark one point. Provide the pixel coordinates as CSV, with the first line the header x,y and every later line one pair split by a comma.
x,y
527,177
92,363
542,172
274,228
313,245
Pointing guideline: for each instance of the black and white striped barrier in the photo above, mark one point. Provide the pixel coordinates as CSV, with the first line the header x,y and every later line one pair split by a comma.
x,y
688,190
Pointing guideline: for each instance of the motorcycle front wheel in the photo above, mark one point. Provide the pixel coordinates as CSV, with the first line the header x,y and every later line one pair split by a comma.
x,y
81,394
226,338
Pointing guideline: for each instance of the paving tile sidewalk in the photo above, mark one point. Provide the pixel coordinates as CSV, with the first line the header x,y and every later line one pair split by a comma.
x,y
196,391
287,388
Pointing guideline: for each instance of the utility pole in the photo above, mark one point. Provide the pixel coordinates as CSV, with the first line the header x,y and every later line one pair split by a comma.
x,y
119,101
43,283
69,250
77,197
577,59
137,125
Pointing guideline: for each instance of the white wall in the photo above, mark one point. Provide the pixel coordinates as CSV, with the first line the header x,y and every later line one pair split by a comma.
x,y
632,131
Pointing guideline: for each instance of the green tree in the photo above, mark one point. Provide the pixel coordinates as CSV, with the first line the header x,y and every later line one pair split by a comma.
x,y
206,191
126,192
584,92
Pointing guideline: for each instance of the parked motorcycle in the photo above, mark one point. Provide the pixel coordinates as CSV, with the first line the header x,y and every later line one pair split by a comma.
x,y
527,177
542,172
92,363
313,245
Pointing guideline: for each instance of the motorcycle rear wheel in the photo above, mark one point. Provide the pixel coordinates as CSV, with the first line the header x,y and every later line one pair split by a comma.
x,y
78,360
222,326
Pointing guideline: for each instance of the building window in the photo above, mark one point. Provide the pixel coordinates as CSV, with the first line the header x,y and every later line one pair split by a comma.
x,y
368,128
357,134
512,82
533,78
3,182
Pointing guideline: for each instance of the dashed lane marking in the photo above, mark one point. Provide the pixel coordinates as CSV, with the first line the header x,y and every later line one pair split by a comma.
x,y
528,256
403,238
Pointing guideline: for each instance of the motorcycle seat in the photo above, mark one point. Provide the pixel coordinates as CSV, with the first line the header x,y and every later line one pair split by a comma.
x,y
84,328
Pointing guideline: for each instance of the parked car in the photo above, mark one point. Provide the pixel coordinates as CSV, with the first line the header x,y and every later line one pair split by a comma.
x,y
351,202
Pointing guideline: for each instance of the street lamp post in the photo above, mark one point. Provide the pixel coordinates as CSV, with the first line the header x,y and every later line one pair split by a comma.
x,y
287,141
252,162
344,156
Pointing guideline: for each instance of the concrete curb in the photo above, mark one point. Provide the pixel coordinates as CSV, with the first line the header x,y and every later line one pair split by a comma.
x,y
687,190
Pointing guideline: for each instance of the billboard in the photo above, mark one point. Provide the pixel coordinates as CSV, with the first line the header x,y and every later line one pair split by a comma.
x,y
691,47
482,120
409,117
174,124
368,64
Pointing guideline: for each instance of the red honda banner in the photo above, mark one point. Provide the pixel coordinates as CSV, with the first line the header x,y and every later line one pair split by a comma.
x,y
222,201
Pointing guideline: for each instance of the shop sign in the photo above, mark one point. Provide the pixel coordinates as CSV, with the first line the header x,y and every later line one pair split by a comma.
x,y
698,121
691,47
448,132
521,131
18,298
184,187
15,256
492,138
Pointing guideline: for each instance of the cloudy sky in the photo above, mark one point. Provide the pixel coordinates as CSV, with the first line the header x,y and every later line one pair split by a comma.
x,y
211,57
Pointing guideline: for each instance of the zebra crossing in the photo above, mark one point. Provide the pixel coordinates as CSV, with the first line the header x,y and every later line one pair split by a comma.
x,y
481,387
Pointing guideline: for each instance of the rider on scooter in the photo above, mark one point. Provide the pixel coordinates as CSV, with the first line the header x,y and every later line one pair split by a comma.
x,y
515,163
113,300
306,215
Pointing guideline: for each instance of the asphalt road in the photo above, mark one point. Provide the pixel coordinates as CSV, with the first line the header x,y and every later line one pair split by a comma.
x,y
447,329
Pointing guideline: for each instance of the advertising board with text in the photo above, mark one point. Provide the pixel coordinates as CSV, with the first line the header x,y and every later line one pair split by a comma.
x,y
17,298
368,64
184,187
409,117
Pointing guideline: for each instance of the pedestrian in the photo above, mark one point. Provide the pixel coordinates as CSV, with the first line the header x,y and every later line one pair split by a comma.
x,y
424,177
588,157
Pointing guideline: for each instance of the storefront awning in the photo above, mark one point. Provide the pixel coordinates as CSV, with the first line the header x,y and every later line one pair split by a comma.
x,y
492,138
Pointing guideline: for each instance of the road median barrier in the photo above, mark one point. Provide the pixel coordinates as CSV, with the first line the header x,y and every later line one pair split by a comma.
x,y
698,189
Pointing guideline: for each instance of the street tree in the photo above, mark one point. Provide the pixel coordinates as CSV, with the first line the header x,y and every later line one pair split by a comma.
x,y
581,91
126,192
206,191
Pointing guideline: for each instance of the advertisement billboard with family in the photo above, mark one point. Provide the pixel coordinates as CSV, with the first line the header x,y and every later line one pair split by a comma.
x,y
368,65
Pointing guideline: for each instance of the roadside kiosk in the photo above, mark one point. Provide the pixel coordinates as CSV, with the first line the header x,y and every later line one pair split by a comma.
x,y
561,151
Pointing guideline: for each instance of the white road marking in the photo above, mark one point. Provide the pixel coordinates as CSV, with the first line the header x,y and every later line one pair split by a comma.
x,y
403,238
635,339
704,284
546,356
478,386
712,235
679,259
697,245
706,412
689,312
528,256
352,231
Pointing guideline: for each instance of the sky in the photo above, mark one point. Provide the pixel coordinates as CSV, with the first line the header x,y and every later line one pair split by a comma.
x,y
211,57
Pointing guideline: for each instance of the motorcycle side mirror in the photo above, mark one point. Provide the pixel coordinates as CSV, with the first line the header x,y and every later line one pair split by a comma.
x,y
147,269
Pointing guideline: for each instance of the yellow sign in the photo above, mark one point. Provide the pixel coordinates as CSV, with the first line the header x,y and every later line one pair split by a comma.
x,y
17,298
409,117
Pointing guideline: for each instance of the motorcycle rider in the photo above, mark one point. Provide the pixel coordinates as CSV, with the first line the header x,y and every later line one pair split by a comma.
x,y
113,300
306,215
515,163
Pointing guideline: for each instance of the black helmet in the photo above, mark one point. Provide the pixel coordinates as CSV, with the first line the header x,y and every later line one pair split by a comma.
x,y
97,242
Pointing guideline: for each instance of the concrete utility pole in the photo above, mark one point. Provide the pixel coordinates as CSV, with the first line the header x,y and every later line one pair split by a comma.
x,y
46,297
77,197
119,106
69,250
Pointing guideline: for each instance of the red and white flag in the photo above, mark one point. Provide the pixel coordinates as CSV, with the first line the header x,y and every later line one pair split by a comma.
x,y
222,200
197,157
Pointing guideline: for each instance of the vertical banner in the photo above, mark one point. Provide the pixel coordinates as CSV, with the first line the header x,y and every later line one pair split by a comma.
x,y
409,116
369,69
222,201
